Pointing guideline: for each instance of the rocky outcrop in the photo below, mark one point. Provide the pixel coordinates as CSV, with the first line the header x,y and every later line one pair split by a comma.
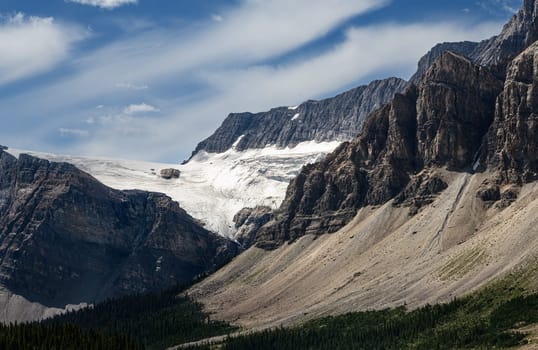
x,y
464,48
454,110
248,221
170,173
335,119
520,32
420,191
66,239
439,123
512,146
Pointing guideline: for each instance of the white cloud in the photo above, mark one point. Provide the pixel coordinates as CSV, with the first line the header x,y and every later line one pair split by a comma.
x,y
199,75
106,4
140,108
31,45
216,18
367,51
73,132
131,86
497,6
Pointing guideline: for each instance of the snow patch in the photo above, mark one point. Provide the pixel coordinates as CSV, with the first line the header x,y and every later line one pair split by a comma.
x,y
158,264
212,187
296,116
293,108
234,145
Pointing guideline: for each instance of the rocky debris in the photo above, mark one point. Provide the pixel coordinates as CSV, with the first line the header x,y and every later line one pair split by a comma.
x,y
338,118
512,146
420,191
489,193
248,221
440,123
170,173
5,148
508,196
65,238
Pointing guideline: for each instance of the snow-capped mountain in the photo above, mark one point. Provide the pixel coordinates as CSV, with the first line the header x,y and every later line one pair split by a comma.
x,y
250,160
212,187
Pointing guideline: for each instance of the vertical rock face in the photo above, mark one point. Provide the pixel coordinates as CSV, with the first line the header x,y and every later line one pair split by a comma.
x,y
65,238
513,138
496,52
519,33
439,123
335,119
454,110
464,48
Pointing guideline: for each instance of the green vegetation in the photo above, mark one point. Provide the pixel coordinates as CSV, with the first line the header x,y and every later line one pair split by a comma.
x,y
488,319
143,321
61,337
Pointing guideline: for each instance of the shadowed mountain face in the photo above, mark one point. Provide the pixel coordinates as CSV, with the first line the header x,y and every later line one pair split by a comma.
x,y
439,123
334,119
460,115
520,32
65,238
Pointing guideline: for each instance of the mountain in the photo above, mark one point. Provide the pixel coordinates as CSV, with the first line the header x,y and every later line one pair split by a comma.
x,y
66,239
339,118
520,32
434,198
250,159
438,123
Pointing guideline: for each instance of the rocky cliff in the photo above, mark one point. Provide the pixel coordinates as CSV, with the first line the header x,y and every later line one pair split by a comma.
x,y
439,123
66,239
512,145
496,52
335,119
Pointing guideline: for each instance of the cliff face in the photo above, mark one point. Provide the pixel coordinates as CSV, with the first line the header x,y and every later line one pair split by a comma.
x,y
65,238
520,32
512,146
454,110
339,118
439,123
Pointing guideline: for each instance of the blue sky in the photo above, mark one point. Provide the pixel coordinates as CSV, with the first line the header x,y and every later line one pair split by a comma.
x,y
148,79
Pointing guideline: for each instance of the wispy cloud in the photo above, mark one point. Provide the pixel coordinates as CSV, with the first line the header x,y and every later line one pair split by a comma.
x,y
216,18
73,132
496,6
31,45
132,86
140,108
106,4
198,75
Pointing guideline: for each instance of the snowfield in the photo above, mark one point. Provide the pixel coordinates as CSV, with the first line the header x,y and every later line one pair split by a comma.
x,y
212,187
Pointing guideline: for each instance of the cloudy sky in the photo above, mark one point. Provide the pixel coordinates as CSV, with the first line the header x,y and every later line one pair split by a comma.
x,y
148,79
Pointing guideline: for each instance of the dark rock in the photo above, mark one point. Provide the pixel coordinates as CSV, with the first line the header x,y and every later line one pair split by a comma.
x,y
454,111
508,197
489,193
464,48
170,173
440,123
420,191
248,221
338,118
512,147
495,53
65,238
